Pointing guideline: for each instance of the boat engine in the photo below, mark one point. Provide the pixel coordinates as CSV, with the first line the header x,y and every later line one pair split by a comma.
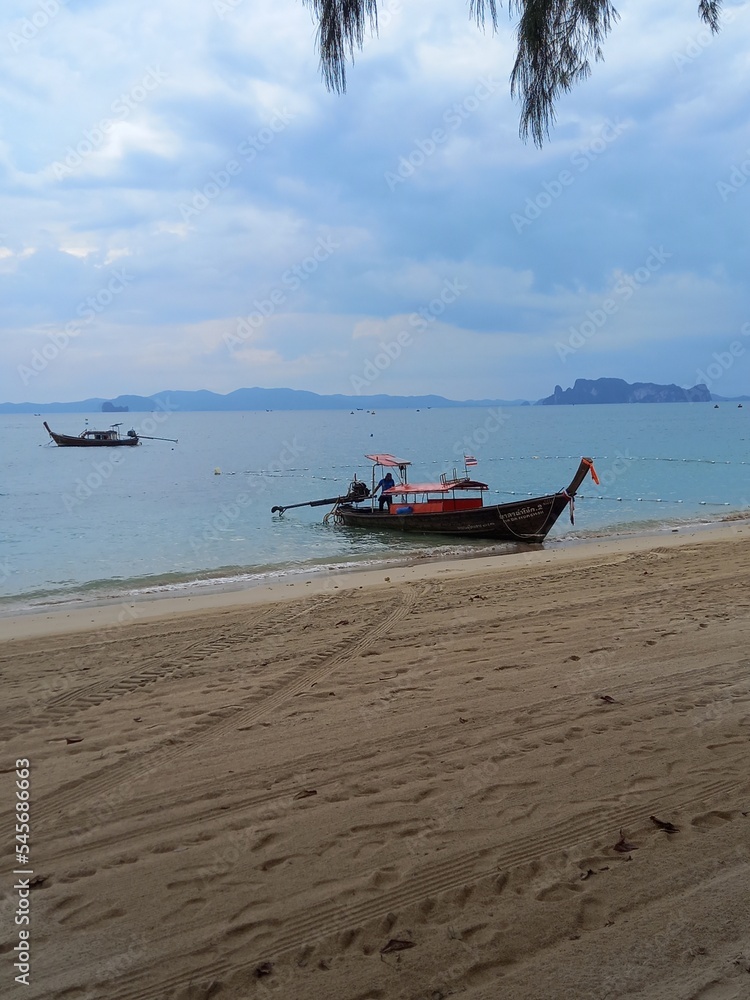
x,y
358,491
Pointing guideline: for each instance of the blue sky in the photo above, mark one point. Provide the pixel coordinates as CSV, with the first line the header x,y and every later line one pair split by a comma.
x,y
185,206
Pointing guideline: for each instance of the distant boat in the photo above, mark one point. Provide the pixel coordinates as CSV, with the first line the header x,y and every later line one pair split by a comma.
x,y
94,439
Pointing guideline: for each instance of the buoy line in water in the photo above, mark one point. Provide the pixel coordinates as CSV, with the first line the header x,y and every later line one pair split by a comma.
x,y
303,472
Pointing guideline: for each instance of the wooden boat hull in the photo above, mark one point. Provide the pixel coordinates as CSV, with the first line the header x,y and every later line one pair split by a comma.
x,y
520,521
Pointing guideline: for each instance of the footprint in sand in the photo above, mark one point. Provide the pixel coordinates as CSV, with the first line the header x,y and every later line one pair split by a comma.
x,y
265,840
385,876
76,874
89,915
348,937
558,892
64,906
592,914
164,848
717,817
721,991
124,859
256,930
273,863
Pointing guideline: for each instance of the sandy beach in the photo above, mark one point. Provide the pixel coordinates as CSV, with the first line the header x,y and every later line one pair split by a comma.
x,y
524,777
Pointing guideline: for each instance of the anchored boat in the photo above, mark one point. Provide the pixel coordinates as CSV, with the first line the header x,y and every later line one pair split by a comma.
x,y
102,439
94,439
453,506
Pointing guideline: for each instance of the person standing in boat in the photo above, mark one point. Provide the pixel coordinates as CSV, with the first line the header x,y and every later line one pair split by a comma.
x,y
386,483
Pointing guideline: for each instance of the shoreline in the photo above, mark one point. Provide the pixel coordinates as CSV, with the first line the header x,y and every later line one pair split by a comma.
x,y
67,617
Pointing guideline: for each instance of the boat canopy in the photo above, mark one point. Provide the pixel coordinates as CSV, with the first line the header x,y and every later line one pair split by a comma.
x,y
388,461
443,487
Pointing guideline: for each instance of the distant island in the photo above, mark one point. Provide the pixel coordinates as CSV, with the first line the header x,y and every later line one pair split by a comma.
x,y
201,400
601,390
616,390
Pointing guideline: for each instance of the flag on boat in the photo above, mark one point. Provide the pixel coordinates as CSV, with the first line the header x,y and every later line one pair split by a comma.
x,y
469,460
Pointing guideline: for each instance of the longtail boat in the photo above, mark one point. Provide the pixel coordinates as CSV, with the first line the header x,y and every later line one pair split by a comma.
x,y
94,439
453,506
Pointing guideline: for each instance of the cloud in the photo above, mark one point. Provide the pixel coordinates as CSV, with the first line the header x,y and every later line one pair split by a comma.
x,y
200,157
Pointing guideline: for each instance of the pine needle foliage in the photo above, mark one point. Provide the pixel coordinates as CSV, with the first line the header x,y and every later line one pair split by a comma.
x,y
557,41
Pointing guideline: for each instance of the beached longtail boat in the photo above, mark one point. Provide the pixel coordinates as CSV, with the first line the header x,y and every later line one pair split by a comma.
x,y
452,506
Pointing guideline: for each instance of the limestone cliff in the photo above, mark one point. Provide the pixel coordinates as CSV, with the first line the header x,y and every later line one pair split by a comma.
x,y
617,390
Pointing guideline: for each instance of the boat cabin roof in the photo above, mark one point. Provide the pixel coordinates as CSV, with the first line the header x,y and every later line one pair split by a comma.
x,y
442,487
388,461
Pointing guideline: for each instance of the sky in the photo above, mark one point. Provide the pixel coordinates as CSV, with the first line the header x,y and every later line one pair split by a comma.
x,y
183,205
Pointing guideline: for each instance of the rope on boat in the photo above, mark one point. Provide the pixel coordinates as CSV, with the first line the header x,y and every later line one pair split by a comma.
x,y
524,537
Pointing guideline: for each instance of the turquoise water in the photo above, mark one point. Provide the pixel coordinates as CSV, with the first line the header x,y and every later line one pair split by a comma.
x,y
104,523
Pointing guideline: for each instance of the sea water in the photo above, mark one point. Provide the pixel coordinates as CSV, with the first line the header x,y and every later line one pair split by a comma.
x,y
88,524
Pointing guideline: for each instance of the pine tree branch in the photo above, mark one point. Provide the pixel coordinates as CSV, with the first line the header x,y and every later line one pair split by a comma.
x,y
557,41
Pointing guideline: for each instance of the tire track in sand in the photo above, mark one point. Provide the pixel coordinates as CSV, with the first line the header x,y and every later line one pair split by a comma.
x,y
90,695
501,745
115,785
